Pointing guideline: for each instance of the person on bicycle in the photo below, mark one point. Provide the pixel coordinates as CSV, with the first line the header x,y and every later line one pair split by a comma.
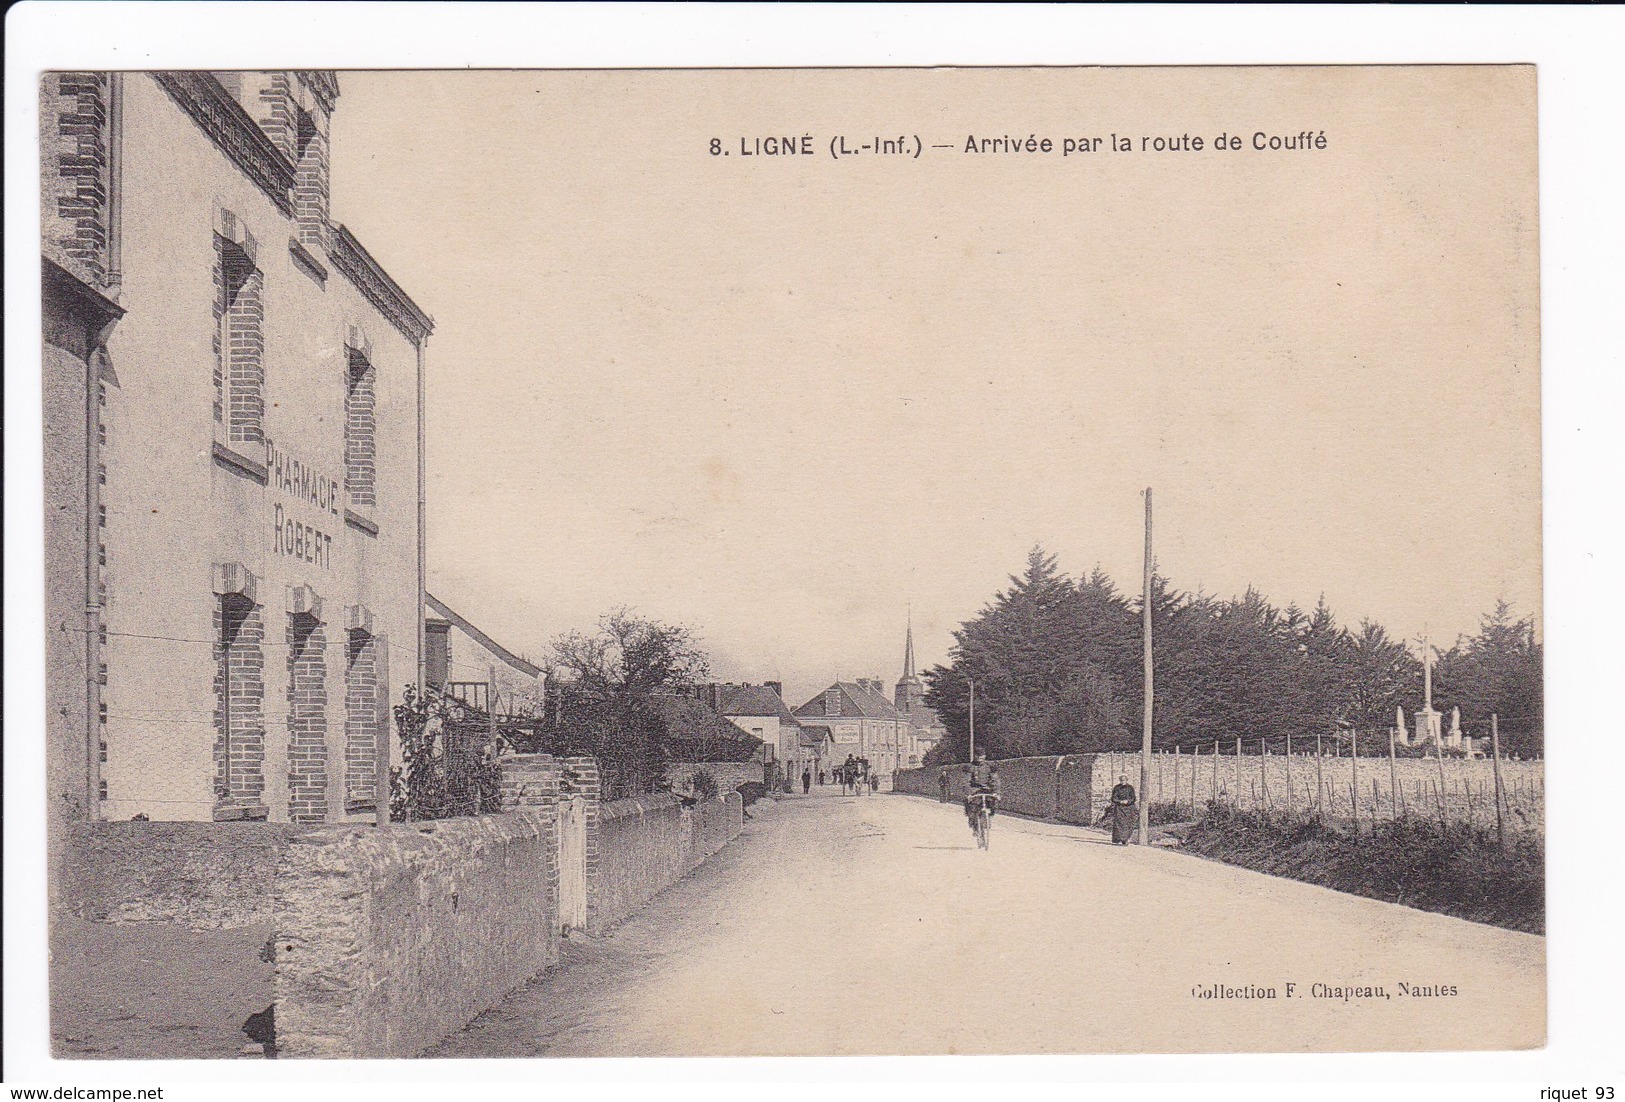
x,y
984,781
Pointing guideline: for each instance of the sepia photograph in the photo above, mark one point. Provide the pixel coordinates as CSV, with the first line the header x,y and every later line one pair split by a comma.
x,y
792,562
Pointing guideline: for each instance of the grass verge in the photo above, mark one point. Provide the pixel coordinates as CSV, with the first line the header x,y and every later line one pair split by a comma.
x,y
1456,870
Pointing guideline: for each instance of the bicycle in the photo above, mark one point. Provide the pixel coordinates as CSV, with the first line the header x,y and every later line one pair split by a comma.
x,y
982,823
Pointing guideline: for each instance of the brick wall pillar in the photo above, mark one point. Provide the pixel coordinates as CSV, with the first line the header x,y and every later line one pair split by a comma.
x,y
532,782
529,780
582,778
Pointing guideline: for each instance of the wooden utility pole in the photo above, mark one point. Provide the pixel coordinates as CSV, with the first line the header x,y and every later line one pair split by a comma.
x,y
1145,736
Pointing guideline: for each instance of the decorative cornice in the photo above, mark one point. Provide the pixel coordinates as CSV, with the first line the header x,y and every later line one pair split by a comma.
x,y
233,131
369,277
323,83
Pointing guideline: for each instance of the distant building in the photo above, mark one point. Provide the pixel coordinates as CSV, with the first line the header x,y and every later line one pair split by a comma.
x,y
925,727
760,711
461,661
233,468
860,722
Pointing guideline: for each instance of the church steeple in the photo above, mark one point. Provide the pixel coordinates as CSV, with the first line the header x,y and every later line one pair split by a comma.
x,y
910,689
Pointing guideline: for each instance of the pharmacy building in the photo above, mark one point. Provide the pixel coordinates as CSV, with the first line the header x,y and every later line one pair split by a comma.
x,y
233,433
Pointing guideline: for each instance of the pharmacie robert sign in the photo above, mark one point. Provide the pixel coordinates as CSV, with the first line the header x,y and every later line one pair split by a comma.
x,y
309,511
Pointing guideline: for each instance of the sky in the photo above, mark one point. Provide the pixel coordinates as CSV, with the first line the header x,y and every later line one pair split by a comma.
x,y
791,401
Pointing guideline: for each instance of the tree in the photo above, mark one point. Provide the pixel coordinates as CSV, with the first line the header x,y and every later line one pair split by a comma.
x,y
1499,671
629,654
617,701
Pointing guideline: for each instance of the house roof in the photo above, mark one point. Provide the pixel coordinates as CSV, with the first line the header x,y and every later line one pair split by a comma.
x,y
687,718
920,716
484,640
857,702
754,700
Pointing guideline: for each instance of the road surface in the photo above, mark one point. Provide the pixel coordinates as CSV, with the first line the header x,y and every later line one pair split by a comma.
x,y
872,926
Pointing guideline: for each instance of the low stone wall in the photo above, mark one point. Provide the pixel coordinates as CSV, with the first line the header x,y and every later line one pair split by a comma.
x,y
716,823
643,846
729,774
648,843
388,940
206,876
1046,788
1077,788
379,941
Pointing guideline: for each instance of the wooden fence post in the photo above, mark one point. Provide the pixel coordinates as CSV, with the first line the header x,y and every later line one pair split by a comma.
x,y
1320,775
1495,758
1354,776
1393,778
1438,754
1238,772
1196,760
1263,773
1287,762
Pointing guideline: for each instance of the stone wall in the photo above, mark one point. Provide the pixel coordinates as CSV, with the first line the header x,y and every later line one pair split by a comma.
x,y
1046,788
389,939
729,774
716,823
380,941
650,842
200,875
1077,787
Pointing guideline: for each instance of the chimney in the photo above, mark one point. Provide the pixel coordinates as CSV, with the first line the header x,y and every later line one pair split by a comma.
x,y
713,696
776,686
437,652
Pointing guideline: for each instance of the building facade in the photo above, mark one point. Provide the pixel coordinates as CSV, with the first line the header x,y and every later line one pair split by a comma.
x,y
860,722
249,464
760,711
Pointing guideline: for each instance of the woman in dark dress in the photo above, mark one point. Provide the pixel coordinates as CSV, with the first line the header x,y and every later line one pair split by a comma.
x,y
1124,815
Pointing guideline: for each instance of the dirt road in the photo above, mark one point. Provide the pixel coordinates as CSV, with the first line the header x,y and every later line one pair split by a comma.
x,y
845,925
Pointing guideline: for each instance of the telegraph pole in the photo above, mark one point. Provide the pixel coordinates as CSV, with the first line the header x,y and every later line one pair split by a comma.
x,y
972,719
1145,737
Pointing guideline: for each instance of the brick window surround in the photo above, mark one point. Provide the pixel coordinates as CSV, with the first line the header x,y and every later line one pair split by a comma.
x,y
307,720
239,338
239,687
361,719
360,423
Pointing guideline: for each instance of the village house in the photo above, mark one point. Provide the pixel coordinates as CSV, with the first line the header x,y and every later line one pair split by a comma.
x,y
760,711
234,419
463,662
860,722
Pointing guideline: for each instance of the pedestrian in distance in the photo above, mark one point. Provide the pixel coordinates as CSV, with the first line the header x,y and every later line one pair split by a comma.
x,y
942,786
806,781
874,782
1122,812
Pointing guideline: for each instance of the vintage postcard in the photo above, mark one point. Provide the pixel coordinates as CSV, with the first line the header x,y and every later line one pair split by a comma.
x,y
793,562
